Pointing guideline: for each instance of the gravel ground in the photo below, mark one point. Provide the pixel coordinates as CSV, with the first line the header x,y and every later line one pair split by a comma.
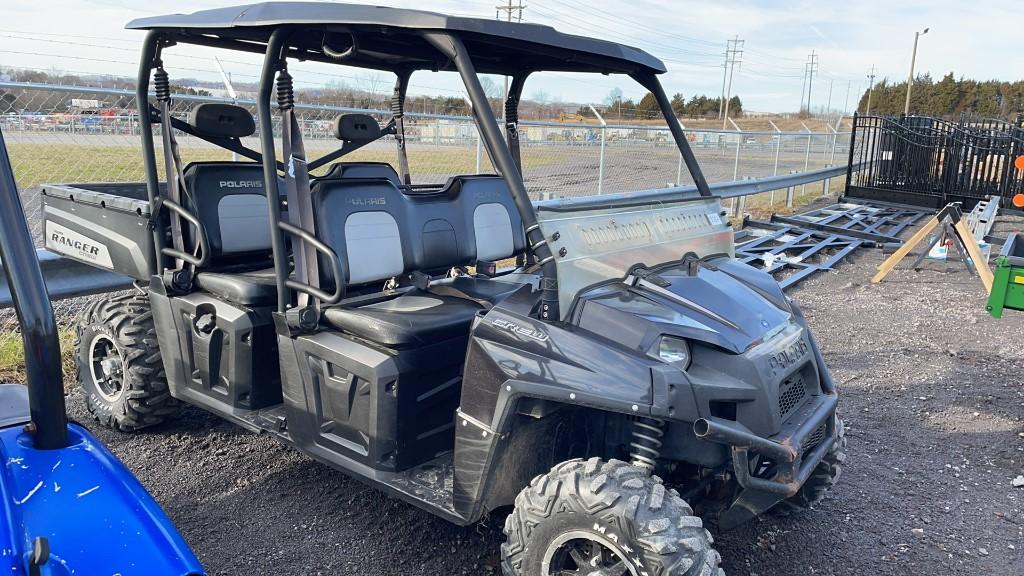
x,y
932,397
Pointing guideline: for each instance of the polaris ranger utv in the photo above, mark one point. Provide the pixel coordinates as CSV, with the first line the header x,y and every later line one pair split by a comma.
x,y
623,370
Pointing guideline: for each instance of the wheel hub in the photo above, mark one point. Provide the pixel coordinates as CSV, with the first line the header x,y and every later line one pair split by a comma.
x,y
580,553
107,367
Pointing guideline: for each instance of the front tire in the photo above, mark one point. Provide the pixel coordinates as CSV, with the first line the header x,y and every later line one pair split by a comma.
x,y
587,517
118,364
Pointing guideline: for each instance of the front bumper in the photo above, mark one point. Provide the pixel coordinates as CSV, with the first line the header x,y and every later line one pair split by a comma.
x,y
806,436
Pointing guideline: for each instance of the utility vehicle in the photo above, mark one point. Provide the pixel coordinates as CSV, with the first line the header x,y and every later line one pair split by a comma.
x,y
622,370
69,506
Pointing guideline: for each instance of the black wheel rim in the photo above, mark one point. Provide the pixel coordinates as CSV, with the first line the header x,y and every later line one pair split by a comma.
x,y
107,367
582,553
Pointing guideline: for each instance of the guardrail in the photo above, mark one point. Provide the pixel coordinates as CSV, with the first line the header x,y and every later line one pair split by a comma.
x,y
66,278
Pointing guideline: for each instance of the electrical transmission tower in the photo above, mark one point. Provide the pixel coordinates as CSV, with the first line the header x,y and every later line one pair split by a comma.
x,y
871,86
509,9
733,56
810,69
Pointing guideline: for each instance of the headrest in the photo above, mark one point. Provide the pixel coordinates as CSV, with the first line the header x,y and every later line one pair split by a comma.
x,y
223,120
356,128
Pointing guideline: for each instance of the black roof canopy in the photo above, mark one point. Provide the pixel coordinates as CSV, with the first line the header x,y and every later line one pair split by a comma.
x,y
391,38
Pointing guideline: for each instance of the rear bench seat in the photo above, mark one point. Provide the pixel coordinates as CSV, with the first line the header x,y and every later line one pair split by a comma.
x,y
230,201
378,233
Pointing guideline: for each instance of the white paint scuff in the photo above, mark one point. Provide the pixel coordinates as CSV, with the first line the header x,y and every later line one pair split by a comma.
x,y
89,491
30,493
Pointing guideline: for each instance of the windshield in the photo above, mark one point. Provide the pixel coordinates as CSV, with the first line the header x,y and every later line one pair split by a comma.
x,y
604,243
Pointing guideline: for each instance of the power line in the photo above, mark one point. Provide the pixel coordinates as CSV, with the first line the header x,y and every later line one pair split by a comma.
x,y
618,19
62,35
613,31
27,36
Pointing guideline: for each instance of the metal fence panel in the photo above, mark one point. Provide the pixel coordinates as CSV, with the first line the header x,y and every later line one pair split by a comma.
x,y
931,161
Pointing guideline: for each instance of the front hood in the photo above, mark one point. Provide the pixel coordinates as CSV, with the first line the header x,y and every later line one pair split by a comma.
x,y
711,305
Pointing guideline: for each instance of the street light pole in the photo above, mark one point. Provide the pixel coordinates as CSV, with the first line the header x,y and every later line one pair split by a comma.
x,y
910,79
871,86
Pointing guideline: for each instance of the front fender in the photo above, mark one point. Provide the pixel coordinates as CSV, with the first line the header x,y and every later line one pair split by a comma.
x,y
512,357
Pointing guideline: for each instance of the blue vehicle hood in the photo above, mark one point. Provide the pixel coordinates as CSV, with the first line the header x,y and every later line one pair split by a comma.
x,y
96,517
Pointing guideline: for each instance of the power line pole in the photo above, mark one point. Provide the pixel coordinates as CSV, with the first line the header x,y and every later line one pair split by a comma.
x,y
725,74
508,10
803,91
871,86
910,77
846,102
828,105
812,69
734,56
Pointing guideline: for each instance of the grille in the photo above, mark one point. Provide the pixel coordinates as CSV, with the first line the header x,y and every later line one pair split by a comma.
x,y
814,439
791,394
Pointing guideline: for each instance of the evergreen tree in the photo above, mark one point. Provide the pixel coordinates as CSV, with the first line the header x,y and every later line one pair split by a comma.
x,y
648,107
947,98
678,104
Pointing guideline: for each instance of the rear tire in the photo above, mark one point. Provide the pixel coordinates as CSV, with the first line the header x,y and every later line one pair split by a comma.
x,y
823,479
118,364
583,516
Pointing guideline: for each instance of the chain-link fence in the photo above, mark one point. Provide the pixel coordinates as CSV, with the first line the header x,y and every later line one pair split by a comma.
x,y
61,134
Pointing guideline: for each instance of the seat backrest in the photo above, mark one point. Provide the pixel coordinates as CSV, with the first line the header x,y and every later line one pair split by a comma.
x,y
363,221
230,201
379,232
439,239
362,170
492,217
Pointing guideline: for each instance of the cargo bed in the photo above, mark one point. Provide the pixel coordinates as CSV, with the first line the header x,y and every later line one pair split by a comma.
x,y
101,224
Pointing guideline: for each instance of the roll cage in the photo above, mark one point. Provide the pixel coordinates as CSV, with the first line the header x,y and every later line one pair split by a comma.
x,y
388,39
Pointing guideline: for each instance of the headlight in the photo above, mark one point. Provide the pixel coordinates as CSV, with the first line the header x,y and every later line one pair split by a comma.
x,y
674,351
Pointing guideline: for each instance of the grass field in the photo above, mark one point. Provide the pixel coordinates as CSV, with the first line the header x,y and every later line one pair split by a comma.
x,y
12,355
37,163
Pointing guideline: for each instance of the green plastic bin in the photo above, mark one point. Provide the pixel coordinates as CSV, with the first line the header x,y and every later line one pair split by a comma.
x,y
1008,284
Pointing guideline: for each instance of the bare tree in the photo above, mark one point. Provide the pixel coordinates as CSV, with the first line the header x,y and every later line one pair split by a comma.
x,y
371,82
491,87
614,96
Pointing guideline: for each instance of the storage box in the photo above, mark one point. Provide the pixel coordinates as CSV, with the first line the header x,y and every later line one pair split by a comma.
x,y
1008,284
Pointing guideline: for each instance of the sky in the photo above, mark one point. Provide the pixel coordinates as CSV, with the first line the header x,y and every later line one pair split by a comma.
x,y
87,36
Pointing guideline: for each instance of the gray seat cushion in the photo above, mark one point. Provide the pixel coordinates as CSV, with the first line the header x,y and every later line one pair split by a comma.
x,y
415,318
256,288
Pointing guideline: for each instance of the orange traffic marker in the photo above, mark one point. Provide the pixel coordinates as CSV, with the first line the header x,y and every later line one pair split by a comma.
x,y
1018,200
1019,163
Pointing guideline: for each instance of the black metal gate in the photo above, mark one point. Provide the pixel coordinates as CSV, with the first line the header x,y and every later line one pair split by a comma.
x,y
931,162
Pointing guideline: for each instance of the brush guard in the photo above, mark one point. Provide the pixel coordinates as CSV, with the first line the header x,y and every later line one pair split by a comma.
x,y
804,440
